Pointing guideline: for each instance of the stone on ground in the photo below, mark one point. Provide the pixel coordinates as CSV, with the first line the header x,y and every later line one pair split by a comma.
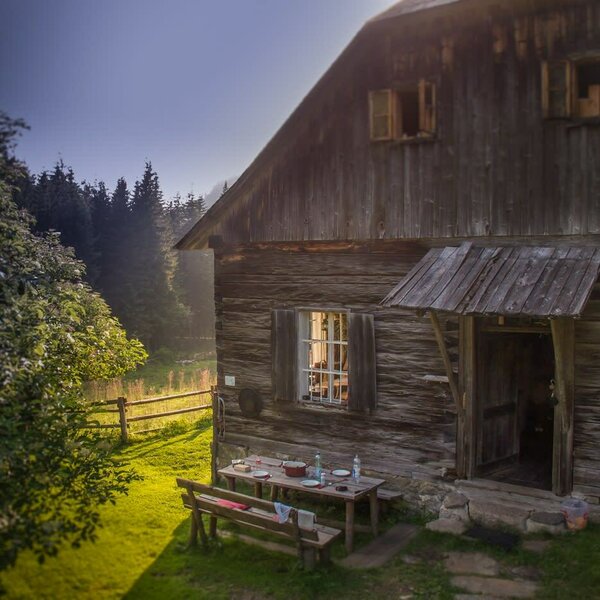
x,y
492,515
455,500
495,587
460,514
549,522
525,572
381,549
537,546
454,526
474,563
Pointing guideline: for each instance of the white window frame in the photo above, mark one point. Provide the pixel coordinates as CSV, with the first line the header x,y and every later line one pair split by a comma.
x,y
306,368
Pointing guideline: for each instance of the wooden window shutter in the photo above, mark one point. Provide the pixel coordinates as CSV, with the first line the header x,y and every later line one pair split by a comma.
x,y
426,107
362,361
382,111
284,348
556,89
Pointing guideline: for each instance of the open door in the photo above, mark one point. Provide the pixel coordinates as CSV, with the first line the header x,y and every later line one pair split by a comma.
x,y
498,441
514,406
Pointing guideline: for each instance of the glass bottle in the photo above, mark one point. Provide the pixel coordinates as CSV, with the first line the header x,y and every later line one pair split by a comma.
x,y
356,469
318,465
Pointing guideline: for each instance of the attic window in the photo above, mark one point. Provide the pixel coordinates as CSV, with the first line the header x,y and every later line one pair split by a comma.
x,y
571,88
587,81
403,114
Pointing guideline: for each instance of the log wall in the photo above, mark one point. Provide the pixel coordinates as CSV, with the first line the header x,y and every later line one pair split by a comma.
x,y
495,166
586,467
412,432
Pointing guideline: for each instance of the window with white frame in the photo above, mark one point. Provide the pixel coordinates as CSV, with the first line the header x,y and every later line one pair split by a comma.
x,y
324,357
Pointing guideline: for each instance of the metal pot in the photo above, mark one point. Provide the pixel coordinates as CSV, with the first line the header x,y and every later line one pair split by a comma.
x,y
294,468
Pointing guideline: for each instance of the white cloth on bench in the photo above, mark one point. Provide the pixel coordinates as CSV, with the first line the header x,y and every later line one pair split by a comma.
x,y
283,511
306,519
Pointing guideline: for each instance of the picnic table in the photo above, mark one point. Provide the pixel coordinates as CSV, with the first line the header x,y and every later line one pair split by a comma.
x,y
278,480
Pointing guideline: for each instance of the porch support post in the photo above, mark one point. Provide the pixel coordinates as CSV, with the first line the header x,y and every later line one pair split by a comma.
x,y
563,336
466,432
439,337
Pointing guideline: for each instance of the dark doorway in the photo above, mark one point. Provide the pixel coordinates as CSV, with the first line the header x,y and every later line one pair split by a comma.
x,y
515,407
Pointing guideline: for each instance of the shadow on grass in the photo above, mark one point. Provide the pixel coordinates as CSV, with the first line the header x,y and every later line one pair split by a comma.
x,y
228,568
139,448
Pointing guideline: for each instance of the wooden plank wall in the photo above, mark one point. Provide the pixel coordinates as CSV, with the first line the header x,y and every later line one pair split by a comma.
x,y
586,467
496,166
412,432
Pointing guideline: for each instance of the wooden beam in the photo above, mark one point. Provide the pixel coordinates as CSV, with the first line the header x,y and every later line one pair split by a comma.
x,y
466,430
439,337
563,336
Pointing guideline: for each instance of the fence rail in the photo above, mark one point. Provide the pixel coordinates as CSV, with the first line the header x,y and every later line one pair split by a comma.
x,y
123,404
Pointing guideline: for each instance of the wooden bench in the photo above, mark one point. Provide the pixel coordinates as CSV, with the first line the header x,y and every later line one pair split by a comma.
x,y
204,499
386,497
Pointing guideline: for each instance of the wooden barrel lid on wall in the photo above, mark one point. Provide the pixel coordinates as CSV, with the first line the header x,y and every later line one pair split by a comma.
x,y
250,402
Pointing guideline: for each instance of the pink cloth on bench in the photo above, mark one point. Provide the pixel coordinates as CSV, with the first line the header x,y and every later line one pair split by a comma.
x,y
230,504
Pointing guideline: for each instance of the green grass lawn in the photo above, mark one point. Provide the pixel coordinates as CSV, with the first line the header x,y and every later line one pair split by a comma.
x,y
140,552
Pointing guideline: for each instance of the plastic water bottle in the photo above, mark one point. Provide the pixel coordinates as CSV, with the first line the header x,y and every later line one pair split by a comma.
x,y
356,469
318,465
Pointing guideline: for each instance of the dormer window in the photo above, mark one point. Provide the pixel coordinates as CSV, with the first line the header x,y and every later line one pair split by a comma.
x,y
405,113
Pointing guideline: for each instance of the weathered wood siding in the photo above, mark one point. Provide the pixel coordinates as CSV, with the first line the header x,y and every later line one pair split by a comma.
x,y
412,431
496,166
586,471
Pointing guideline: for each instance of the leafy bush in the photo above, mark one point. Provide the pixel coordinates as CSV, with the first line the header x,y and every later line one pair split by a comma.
x,y
55,333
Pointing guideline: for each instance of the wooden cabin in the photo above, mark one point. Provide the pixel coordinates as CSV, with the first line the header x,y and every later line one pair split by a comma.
x,y
407,271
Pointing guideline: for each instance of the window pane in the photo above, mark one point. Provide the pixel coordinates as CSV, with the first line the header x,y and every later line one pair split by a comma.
x,y
324,357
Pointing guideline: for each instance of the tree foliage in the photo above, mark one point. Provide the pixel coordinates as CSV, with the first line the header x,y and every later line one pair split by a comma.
x,y
126,241
55,333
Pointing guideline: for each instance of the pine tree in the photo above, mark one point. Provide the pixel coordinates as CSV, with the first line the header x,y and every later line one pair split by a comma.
x,y
156,313
115,284
98,198
58,203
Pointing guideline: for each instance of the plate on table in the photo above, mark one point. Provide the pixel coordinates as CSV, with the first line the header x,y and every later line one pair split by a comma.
x,y
310,483
340,473
261,474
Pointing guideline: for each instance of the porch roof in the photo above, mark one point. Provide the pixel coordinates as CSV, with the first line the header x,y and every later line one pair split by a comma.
x,y
531,281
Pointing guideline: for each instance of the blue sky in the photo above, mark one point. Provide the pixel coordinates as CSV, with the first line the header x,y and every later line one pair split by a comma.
x,y
197,87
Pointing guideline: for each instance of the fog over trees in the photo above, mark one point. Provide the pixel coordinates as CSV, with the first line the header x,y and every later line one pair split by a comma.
x,y
125,237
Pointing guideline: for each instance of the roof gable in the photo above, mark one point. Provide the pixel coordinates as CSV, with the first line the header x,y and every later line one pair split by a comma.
x,y
198,235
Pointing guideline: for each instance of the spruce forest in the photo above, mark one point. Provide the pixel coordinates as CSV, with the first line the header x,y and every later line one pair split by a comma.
x,y
125,237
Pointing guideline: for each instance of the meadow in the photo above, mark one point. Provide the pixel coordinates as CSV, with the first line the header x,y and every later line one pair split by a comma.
x,y
141,551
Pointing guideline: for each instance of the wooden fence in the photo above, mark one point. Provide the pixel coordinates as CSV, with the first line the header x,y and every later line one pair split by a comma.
x,y
122,406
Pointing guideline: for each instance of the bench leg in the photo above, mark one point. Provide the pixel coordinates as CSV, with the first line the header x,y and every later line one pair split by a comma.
x,y
201,530
309,557
196,528
325,555
193,533
212,527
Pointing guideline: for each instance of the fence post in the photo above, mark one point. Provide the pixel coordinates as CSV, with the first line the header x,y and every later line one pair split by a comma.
x,y
123,418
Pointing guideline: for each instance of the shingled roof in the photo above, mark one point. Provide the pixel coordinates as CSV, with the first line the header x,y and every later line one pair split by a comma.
x,y
528,281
